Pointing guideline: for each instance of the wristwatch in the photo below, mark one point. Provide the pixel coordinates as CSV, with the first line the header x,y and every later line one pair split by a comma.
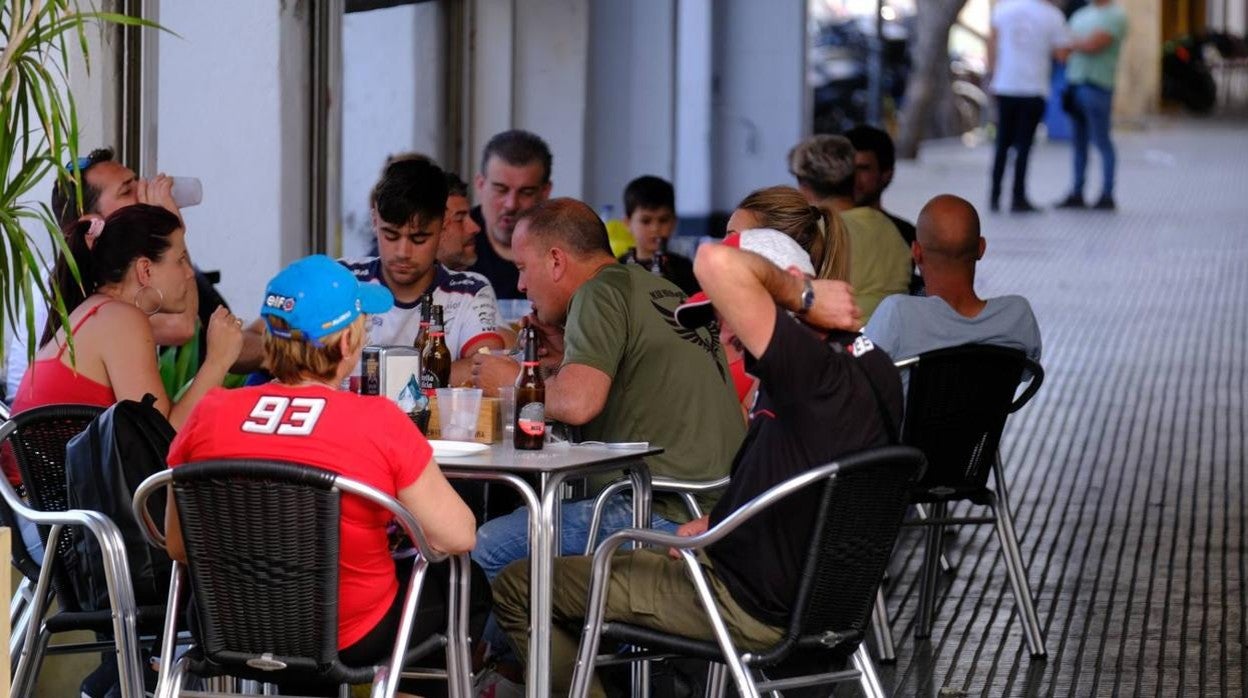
x,y
808,298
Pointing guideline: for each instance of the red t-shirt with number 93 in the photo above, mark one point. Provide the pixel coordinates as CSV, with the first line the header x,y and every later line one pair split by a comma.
x,y
364,438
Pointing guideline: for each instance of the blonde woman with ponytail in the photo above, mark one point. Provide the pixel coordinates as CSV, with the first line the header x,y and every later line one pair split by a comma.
x,y
819,231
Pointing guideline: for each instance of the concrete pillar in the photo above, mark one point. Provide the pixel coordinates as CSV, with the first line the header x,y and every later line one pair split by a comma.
x,y
760,101
1138,91
694,80
632,107
392,101
529,70
230,113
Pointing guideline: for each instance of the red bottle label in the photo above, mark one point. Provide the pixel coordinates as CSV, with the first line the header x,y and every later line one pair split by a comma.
x,y
532,419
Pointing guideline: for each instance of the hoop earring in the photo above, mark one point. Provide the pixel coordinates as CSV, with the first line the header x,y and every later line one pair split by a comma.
x,y
159,302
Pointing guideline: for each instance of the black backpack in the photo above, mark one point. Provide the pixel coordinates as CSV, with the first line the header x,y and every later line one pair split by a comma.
x,y
104,465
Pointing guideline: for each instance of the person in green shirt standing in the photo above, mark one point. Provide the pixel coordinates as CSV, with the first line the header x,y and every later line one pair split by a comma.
x,y
619,366
1097,31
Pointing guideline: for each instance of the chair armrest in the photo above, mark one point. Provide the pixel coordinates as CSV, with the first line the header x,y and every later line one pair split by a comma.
x,y
404,517
151,531
723,528
906,363
1037,377
685,488
667,484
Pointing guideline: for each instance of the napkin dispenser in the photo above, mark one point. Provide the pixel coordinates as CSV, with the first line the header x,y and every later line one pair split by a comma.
x,y
386,370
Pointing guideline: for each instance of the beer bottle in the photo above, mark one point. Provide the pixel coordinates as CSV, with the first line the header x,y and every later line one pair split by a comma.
x,y
530,400
658,262
435,361
426,306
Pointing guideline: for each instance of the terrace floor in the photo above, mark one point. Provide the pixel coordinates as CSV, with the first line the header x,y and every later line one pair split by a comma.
x,y
1127,469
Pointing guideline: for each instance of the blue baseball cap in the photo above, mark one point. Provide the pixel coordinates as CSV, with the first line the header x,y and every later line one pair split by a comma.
x,y
316,296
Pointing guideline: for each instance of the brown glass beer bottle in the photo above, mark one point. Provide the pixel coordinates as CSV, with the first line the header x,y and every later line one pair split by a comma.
x,y
435,360
530,400
422,337
658,263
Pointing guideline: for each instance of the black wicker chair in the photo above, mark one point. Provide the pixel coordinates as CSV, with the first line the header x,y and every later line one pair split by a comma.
x,y
261,540
956,407
38,438
863,499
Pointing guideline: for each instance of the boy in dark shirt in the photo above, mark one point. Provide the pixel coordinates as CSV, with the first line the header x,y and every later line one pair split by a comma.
x,y
650,209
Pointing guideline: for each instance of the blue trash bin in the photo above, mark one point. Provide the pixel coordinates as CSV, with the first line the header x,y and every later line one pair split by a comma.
x,y
1056,121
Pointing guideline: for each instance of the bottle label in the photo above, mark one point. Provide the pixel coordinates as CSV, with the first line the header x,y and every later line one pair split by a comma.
x,y
429,383
532,419
370,380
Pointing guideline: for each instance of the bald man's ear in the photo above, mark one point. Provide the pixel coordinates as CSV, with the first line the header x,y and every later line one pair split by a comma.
x,y
916,252
983,245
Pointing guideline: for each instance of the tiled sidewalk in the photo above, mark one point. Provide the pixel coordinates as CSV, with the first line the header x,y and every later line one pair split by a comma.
x,y
1127,469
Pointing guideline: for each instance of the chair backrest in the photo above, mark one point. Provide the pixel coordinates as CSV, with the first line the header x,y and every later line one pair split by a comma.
x,y
956,408
39,448
261,540
859,516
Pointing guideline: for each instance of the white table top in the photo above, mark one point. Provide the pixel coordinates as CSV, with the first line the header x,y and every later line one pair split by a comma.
x,y
552,458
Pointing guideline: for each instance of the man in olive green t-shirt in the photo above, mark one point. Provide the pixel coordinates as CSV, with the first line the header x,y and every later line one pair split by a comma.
x,y
1096,31
621,368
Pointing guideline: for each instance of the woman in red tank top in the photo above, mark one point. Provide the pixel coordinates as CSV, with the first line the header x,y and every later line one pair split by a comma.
x,y
132,265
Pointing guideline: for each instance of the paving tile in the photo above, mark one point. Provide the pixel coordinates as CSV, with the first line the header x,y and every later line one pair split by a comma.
x,y
1127,470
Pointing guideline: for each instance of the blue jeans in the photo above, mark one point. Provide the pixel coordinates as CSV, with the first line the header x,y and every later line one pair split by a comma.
x,y
504,540
1095,108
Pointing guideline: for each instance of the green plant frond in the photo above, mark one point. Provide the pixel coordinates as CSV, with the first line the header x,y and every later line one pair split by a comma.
x,y
34,74
28,301
59,243
38,132
25,179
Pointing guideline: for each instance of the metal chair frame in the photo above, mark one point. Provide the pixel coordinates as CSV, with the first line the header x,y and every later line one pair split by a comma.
x,y
936,518
123,608
687,489
736,663
386,677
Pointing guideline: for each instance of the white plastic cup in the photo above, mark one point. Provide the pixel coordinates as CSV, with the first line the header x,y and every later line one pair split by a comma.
x,y
187,191
458,409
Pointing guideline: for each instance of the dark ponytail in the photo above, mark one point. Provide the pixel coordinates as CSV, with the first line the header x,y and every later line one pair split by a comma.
x,y
131,232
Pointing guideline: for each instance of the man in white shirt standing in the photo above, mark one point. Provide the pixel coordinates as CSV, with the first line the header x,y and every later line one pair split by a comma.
x,y
1026,36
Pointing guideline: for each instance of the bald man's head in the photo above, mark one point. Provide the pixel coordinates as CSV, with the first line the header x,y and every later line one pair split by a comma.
x,y
948,231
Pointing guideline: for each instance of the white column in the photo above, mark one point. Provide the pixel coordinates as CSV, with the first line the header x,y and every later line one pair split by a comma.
x,y
694,74
492,36
551,83
231,113
760,101
530,70
632,106
393,91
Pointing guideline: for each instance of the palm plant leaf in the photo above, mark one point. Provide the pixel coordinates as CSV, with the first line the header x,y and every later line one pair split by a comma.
x,y
38,132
